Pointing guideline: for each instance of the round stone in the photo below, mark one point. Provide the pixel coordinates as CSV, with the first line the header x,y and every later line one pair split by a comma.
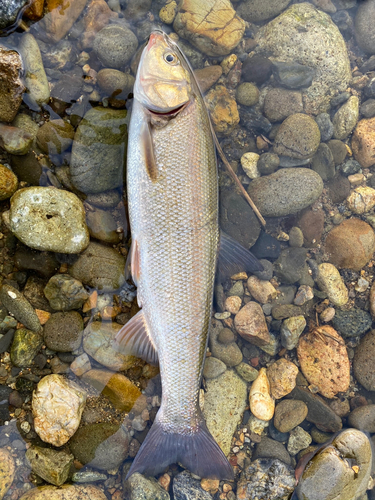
x,y
115,45
363,365
352,323
364,29
280,103
298,137
113,81
346,118
63,331
247,94
289,413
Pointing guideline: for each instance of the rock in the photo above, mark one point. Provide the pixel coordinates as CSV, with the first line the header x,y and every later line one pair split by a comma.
x,y
98,15
249,164
247,94
346,118
19,307
325,125
295,237
282,378
256,69
51,465
116,387
363,361
223,109
63,331
213,27
208,76
97,161
228,352
298,137
57,408
267,272
324,360
351,244
187,487
363,142
99,267
35,77
267,479
14,140
339,188
363,27
286,191
262,405
213,367
367,108
8,181
34,10
10,11
317,480
97,342
330,281
290,265
115,45
350,167
65,293
7,471
293,75
233,211
313,40
108,199
262,291
323,162
49,219
65,492
250,323
266,247
352,323
224,404
233,304
25,347
281,103
247,372
102,226
268,163
298,440
55,136
115,83
137,487
60,17
339,150
288,414
11,86
291,330
168,12
269,448
257,10
363,418
361,200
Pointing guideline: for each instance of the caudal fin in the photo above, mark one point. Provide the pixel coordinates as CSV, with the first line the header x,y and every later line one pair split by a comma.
x,y
197,451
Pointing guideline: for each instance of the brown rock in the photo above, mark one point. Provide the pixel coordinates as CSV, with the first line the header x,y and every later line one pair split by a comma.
x,y
60,17
208,76
8,183
11,86
7,471
34,10
116,387
97,16
351,244
339,188
223,109
282,377
298,137
212,26
281,103
262,291
363,142
361,200
371,299
251,324
363,364
289,413
311,223
324,361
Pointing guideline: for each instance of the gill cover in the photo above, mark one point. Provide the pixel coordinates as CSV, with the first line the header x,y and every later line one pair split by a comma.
x,y
163,81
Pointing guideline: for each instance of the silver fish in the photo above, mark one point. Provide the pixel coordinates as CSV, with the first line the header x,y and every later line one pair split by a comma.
x,y
173,207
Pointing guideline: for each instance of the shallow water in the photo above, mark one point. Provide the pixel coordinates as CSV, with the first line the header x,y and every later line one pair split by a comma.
x,y
292,103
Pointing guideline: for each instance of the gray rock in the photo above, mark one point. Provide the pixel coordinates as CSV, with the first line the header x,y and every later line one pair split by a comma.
x,y
55,136
352,323
247,372
35,77
88,476
108,199
98,152
137,487
280,103
103,446
293,75
213,367
65,293
19,307
350,167
267,479
323,162
10,10
63,331
267,272
49,219
346,118
51,465
338,149
99,267
185,487
295,237
363,363
224,404
364,31
112,80
289,266
25,347
268,163
228,353
269,448
260,10
102,226
363,418
305,35
59,55
115,45
298,440
288,162
367,108
325,126
44,263
288,414
286,191
298,137
291,330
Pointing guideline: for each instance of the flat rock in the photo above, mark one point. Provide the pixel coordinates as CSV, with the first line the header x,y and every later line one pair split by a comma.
x,y
60,17
308,36
286,191
65,492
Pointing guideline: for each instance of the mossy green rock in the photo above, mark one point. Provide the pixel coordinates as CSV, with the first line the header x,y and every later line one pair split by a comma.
x,y
25,347
98,152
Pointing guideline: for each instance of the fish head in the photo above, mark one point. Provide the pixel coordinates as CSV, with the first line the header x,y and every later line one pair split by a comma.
x,y
164,79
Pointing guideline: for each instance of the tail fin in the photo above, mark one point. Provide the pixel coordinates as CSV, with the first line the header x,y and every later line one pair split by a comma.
x,y
197,451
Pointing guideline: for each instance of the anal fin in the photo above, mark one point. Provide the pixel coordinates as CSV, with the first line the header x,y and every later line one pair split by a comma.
x,y
233,257
134,339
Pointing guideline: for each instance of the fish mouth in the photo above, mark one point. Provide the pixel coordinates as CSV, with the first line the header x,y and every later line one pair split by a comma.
x,y
170,113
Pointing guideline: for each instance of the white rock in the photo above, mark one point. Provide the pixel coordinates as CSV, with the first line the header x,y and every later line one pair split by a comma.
x,y
262,405
249,163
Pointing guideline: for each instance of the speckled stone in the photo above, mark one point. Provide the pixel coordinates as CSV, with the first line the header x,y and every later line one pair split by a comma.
x,y
63,331
15,302
352,323
65,293
330,281
298,137
288,414
262,405
299,439
282,377
363,363
8,182
7,471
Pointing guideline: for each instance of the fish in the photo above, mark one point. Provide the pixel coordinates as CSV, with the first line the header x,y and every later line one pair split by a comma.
x,y
172,188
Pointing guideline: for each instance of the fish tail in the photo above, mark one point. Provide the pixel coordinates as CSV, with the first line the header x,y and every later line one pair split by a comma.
x,y
197,451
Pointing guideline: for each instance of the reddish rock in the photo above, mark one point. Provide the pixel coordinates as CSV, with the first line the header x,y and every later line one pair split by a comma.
x,y
251,324
60,17
363,142
208,76
351,244
311,223
97,16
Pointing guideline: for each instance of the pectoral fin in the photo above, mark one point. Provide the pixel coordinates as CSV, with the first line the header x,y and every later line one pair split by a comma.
x,y
147,149
233,257
134,339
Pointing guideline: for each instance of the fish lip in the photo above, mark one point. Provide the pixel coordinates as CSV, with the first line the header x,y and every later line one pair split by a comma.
x,y
170,113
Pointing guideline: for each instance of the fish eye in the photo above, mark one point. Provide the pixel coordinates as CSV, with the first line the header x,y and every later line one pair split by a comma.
x,y
171,58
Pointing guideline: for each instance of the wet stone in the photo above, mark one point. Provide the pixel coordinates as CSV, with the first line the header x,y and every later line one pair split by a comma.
x,y
102,226
298,137
115,45
11,86
262,405
250,323
269,448
258,10
330,281
187,487
8,183
288,414
63,331
346,118
107,199
266,478
268,163
352,323
247,372
363,142
267,272
361,200
350,167
325,126
256,69
363,418
213,367
339,150
262,291
20,307
51,465
338,188
363,361
10,10
298,440
138,487
14,140
291,330
367,108
114,82
280,103
65,492
65,293
208,76
282,377
363,27
289,266
98,155
223,109
293,75
323,162
266,247
55,136
25,347
247,94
